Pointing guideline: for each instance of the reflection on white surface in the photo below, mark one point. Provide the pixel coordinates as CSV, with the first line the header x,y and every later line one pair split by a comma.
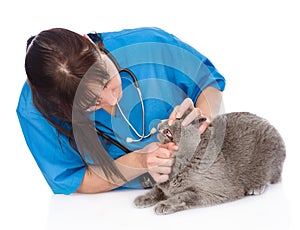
x,y
115,209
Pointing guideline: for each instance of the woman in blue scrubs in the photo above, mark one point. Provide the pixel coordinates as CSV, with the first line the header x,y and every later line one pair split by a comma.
x,y
73,87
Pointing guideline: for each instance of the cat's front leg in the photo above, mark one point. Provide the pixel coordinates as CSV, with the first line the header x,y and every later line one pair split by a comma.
x,y
151,198
178,202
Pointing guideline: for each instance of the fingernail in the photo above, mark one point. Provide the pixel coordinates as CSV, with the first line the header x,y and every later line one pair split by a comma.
x,y
170,122
178,115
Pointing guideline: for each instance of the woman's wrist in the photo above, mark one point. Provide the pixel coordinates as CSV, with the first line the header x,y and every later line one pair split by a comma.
x,y
141,159
209,102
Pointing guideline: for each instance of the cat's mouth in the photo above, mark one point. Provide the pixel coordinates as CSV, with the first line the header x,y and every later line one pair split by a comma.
x,y
168,134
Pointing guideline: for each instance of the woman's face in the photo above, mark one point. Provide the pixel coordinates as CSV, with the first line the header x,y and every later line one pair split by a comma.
x,y
112,91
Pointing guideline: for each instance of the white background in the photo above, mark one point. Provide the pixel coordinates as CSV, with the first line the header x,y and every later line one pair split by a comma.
x,y
254,44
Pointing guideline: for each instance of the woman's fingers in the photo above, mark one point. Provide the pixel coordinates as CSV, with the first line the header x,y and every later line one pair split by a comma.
x,y
160,161
173,115
161,173
162,170
196,112
186,105
160,178
170,146
203,126
179,110
162,157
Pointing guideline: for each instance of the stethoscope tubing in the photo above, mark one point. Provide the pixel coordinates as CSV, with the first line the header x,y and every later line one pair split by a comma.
x,y
108,138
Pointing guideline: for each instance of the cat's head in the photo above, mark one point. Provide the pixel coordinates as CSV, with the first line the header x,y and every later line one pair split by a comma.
x,y
172,133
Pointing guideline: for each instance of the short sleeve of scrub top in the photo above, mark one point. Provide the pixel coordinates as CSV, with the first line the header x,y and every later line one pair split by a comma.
x,y
61,166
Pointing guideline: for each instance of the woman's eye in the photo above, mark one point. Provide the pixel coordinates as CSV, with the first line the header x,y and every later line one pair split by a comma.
x,y
98,102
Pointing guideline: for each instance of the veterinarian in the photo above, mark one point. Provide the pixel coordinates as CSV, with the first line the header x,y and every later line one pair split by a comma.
x,y
91,104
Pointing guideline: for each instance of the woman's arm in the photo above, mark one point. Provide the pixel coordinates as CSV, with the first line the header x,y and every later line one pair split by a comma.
x,y
157,159
94,183
209,103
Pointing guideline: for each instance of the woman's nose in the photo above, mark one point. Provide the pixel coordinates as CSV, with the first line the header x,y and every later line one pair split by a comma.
x,y
110,97
115,93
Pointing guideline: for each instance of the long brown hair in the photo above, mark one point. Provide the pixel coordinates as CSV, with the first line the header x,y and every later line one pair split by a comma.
x,y
56,62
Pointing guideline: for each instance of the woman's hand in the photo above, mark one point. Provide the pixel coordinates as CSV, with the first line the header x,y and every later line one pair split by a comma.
x,y
159,159
188,106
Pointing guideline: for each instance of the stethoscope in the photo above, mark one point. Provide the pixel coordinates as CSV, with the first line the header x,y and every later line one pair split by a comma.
x,y
141,136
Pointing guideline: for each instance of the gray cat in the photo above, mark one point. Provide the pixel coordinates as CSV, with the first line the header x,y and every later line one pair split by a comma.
x,y
239,154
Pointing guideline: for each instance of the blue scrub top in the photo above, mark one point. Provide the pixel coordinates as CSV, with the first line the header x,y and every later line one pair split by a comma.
x,y
168,70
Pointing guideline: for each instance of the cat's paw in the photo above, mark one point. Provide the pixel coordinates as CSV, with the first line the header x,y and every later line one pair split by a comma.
x,y
164,208
256,191
144,201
